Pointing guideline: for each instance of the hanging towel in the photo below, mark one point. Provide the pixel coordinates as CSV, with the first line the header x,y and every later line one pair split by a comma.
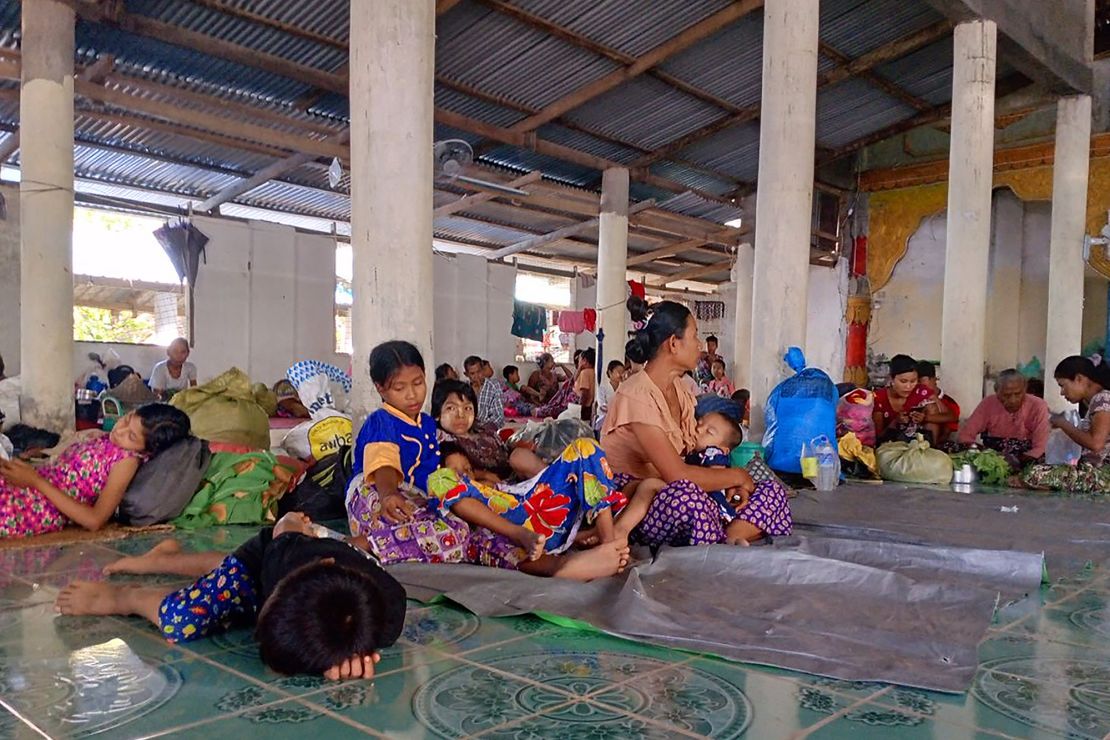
x,y
589,317
709,310
572,322
586,281
529,321
637,289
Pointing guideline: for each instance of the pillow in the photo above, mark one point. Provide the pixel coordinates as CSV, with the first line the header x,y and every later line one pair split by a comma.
x,y
165,484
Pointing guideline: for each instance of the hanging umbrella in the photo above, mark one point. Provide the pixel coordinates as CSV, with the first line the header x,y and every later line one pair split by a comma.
x,y
184,245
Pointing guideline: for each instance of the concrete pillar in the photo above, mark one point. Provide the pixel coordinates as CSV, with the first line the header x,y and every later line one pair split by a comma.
x,y
1069,223
742,278
391,78
612,263
46,215
784,200
967,251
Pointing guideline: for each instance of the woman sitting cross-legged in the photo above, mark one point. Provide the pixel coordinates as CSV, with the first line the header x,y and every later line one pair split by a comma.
x,y
649,430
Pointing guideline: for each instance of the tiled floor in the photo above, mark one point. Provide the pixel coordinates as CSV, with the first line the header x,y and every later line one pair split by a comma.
x,y
1045,673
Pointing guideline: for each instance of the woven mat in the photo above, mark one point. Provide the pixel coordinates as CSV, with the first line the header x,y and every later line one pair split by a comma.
x,y
73,535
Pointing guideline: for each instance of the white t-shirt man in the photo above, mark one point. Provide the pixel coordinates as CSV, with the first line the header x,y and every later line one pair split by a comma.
x,y
161,380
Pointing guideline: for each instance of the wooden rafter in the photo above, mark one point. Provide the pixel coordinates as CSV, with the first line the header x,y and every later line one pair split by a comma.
x,y
684,40
883,54
686,245
695,272
891,89
575,39
469,201
505,102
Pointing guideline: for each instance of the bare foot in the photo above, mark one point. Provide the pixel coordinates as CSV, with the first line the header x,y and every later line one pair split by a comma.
x,y
532,542
152,561
599,562
586,538
85,597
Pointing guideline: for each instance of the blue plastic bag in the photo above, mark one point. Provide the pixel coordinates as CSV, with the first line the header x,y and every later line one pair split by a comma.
x,y
799,409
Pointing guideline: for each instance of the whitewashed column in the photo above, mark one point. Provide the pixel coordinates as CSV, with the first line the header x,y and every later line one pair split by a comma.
x,y
612,263
46,215
742,278
784,199
391,85
970,175
1069,222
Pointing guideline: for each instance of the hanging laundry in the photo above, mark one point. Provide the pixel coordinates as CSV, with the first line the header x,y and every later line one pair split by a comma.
x,y
586,281
529,321
637,289
709,310
572,322
589,317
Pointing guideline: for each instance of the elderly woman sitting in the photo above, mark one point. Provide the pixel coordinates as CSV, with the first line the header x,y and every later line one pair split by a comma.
x,y
1011,421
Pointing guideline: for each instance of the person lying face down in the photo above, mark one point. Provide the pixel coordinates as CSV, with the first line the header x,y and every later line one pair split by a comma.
x,y
320,606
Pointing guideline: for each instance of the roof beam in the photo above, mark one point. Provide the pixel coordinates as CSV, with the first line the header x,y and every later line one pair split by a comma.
x,y
263,176
529,140
442,6
659,54
178,36
694,272
891,89
554,236
95,72
677,248
575,39
469,201
865,63
248,15
514,105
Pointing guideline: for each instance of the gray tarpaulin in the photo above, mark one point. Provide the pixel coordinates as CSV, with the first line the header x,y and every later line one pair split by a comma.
x,y
1069,531
846,608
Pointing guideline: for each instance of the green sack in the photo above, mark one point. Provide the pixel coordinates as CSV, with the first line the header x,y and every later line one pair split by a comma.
x,y
914,462
225,410
265,398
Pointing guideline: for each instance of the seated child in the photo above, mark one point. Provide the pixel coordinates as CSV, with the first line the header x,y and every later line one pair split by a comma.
x,y
719,385
747,517
541,516
86,483
320,606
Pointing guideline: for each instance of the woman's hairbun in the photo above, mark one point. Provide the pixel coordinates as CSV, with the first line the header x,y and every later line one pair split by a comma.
x,y
638,348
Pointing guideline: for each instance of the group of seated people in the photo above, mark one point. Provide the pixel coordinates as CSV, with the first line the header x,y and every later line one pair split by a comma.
x,y
1014,421
447,488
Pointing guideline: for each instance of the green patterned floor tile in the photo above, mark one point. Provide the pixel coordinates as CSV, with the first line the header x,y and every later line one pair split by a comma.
x,y
1083,620
586,720
81,561
446,699
453,630
288,719
109,690
1001,703
880,722
1046,661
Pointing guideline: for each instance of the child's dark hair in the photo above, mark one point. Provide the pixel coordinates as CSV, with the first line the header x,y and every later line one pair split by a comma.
x,y
926,369
668,319
613,365
444,389
508,371
387,359
443,370
901,364
450,447
1072,367
590,356
735,433
718,361
163,426
712,338
742,397
320,615
471,361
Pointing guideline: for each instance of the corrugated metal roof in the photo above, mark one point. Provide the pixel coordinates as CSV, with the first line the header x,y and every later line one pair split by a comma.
x,y
631,27
471,107
854,108
856,27
481,47
645,110
734,151
329,18
728,64
694,205
692,178
587,143
926,73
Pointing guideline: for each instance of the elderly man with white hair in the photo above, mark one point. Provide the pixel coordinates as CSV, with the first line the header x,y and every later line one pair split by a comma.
x,y
1011,421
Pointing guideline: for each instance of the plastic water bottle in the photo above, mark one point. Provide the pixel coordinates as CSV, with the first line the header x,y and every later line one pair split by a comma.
x,y
828,464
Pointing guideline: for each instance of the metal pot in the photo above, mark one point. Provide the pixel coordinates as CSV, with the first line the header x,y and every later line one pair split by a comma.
x,y
965,475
